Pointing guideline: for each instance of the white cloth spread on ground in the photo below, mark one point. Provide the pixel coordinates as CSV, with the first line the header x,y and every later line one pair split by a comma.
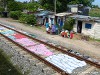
x,y
65,62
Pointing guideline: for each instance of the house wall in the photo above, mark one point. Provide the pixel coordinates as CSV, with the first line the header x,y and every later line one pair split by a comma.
x,y
42,19
97,31
39,20
94,32
74,9
64,19
75,26
49,20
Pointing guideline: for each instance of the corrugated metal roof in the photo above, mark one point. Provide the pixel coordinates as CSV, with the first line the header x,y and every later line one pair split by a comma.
x,y
76,5
44,13
86,18
97,21
63,14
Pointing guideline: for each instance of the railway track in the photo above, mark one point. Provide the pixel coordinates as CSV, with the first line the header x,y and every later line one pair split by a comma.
x,y
39,67
54,52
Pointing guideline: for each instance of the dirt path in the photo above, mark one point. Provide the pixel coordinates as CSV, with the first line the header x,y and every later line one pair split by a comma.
x,y
78,45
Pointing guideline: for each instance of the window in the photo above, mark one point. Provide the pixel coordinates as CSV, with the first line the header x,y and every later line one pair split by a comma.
x,y
88,26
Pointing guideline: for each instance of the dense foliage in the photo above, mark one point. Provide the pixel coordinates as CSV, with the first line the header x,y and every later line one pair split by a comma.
x,y
32,6
15,14
29,19
95,12
15,6
5,3
62,4
84,2
1,9
68,25
49,5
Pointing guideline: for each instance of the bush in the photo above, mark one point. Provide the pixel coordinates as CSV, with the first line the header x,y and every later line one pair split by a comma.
x,y
68,25
29,19
23,18
1,10
95,12
15,14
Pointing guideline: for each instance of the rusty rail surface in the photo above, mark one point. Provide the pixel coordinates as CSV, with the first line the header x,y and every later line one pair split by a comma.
x,y
59,49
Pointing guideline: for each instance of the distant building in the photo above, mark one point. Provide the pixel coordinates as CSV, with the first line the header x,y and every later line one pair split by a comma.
x,y
79,9
73,8
87,25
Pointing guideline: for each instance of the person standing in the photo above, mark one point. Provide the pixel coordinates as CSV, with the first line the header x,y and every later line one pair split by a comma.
x,y
53,29
47,26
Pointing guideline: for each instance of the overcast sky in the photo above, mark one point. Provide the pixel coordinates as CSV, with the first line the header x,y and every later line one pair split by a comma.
x,y
97,2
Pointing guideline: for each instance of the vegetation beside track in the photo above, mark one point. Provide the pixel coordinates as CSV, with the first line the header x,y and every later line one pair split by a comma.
x,y
6,67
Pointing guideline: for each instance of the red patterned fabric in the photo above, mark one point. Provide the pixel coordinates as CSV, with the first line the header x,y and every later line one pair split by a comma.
x,y
19,36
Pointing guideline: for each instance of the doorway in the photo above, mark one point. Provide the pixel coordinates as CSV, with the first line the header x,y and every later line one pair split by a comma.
x,y
79,27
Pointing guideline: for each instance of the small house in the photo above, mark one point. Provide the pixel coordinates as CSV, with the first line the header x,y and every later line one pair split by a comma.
x,y
45,16
73,8
79,9
87,25
60,18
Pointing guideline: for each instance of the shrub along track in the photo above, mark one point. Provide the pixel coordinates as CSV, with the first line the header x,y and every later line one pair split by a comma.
x,y
54,49
6,67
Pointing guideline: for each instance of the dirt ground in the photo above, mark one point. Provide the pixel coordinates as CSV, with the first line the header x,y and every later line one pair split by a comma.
x,y
90,48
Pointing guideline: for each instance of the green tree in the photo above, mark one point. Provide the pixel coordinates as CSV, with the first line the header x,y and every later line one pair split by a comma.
x,y
49,5
4,3
15,6
68,25
32,6
84,2
62,4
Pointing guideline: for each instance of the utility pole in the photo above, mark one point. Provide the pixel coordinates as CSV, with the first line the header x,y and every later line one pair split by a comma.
x,y
55,6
